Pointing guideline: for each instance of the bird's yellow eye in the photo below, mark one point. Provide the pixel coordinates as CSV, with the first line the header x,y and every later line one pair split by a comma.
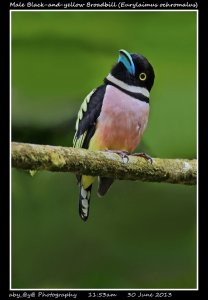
x,y
142,76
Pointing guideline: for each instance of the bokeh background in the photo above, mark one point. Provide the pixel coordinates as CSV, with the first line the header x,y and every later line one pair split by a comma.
x,y
141,235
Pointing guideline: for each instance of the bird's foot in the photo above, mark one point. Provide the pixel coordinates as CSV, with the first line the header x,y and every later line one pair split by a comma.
x,y
144,155
123,154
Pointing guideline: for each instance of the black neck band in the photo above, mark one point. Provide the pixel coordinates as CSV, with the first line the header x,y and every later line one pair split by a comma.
x,y
138,96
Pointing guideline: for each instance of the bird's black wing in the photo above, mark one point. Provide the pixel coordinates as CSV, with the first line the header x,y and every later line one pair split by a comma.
x,y
87,117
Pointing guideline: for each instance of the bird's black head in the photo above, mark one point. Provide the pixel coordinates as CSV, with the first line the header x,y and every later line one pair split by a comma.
x,y
134,69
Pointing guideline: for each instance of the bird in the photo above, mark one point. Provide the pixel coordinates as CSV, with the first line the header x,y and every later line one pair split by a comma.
x,y
113,117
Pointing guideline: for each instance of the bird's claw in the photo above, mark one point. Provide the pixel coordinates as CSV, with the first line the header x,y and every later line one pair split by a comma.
x,y
125,158
122,154
144,155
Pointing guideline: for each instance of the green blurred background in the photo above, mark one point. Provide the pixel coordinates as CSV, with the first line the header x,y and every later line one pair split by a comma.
x,y
141,235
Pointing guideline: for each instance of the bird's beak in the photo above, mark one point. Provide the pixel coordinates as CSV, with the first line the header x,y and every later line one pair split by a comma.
x,y
126,59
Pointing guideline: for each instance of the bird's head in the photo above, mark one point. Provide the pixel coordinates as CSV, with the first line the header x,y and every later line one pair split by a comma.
x,y
134,70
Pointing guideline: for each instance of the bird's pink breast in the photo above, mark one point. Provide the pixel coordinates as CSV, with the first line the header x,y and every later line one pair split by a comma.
x,y
122,121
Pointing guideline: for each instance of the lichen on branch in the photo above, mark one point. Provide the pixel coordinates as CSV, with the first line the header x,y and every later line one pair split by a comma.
x,y
98,163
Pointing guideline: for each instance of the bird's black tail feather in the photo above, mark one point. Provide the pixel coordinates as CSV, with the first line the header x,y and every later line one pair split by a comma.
x,y
104,185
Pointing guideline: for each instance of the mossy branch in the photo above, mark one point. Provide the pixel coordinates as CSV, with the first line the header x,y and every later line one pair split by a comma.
x,y
94,163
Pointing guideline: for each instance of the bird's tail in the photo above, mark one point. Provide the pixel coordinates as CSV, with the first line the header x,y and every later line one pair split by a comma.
x,y
104,185
84,201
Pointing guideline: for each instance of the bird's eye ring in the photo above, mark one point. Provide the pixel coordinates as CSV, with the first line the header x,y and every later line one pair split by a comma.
x,y
142,76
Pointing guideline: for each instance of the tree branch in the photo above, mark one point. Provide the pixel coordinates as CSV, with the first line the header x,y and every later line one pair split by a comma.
x,y
94,163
